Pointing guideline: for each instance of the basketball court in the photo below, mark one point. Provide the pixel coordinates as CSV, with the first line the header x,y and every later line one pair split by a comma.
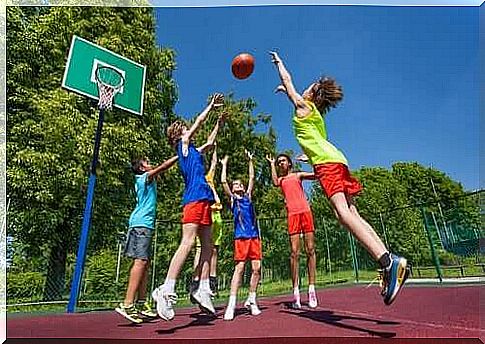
x,y
356,313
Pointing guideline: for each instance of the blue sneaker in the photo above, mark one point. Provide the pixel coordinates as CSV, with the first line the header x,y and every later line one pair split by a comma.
x,y
393,278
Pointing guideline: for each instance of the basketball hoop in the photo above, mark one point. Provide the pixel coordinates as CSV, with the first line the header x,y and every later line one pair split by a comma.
x,y
109,82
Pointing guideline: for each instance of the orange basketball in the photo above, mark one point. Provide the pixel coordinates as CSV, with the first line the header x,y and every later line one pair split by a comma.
x,y
242,66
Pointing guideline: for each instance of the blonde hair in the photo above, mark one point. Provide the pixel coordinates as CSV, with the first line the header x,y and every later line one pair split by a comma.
x,y
174,132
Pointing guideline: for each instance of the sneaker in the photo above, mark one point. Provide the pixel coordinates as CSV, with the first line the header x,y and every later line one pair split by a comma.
x,y
204,300
312,299
146,310
393,278
252,307
296,305
229,314
129,312
165,302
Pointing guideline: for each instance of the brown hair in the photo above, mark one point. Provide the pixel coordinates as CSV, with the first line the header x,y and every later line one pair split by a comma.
x,y
283,155
136,165
174,132
326,94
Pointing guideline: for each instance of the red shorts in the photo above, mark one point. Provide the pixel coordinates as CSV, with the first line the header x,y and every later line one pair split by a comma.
x,y
198,212
247,249
335,177
300,223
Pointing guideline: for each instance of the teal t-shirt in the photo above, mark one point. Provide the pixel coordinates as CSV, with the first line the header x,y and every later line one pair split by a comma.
x,y
146,202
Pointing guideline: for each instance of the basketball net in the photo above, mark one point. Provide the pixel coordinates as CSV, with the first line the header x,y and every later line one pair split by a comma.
x,y
106,95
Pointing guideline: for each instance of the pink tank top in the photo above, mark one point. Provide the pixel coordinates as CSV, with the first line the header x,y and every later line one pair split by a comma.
x,y
295,199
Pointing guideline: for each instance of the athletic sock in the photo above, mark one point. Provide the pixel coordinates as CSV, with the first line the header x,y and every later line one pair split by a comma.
x,y
311,288
169,285
204,285
232,301
385,260
252,297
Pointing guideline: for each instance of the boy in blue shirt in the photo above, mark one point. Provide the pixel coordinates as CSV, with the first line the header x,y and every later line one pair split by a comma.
x,y
196,221
247,242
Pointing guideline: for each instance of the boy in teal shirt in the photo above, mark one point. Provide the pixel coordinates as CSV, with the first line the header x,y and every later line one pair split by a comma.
x,y
139,237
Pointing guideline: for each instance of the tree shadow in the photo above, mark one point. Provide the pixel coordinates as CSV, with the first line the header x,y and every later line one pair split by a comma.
x,y
331,318
200,319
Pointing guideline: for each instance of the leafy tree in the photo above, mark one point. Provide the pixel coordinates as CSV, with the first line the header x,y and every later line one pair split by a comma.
x,y
51,130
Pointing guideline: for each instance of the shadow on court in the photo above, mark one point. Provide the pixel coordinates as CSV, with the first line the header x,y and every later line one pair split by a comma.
x,y
338,320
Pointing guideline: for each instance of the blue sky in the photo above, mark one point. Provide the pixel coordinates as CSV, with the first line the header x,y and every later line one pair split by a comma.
x,y
410,75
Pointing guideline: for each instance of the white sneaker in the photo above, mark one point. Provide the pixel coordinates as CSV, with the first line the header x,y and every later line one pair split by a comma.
x,y
296,305
312,299
203,298
252,307
165,302
229,314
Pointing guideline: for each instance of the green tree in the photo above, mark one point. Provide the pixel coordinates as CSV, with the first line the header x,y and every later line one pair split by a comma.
x,y
51,131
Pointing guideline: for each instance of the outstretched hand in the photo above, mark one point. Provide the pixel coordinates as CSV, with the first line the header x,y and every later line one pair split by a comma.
x,y
217,100
275,57
270,159
302,157
280,88
249,154
224,160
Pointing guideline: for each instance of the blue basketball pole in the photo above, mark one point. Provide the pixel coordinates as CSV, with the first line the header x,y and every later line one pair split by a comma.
x,y
83,241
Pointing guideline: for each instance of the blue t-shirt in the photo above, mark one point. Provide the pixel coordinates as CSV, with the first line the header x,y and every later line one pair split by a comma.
x,y
245,225
193,171
146,202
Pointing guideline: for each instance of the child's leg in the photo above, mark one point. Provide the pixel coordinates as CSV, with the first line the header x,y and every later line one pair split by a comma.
x,y
253,286
137,273
213,265
205,235
189,231
236,281
312,267
365,234
142,289
255,276
311,256
394,268
294,258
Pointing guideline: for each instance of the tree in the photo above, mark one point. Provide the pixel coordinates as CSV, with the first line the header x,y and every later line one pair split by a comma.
x,y
51,130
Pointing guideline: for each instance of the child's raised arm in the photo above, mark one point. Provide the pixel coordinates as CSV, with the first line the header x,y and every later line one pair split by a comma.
x,y
274,175
216,101
162,167
287,86
212,137
251,173
225,185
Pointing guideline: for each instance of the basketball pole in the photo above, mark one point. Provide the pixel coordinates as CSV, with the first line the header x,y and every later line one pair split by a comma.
x,y
83,241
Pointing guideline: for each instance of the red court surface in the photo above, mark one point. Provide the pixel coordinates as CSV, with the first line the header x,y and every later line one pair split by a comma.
x,y
356,313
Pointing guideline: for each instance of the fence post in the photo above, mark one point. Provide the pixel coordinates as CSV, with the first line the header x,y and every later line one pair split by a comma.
x,y
154,256
433,252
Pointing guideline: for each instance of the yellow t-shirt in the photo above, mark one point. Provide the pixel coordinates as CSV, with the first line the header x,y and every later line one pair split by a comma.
x,y
312,136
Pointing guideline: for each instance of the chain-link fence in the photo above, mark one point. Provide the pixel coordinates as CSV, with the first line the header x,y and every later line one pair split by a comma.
x,y
439,242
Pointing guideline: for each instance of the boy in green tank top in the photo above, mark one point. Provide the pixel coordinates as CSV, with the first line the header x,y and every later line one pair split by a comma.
x,y
331,169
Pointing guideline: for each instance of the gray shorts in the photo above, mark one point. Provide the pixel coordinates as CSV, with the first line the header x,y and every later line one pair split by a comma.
x,y
138,243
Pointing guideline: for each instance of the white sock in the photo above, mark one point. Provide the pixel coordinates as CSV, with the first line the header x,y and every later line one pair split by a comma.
x,y
232,301
204,285
311,288
296,291
252,297
169,285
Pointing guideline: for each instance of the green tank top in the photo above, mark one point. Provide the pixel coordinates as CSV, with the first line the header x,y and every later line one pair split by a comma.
x,y
312,136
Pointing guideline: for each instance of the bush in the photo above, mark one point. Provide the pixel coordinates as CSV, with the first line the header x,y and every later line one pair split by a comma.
x,y
25,285
100,276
